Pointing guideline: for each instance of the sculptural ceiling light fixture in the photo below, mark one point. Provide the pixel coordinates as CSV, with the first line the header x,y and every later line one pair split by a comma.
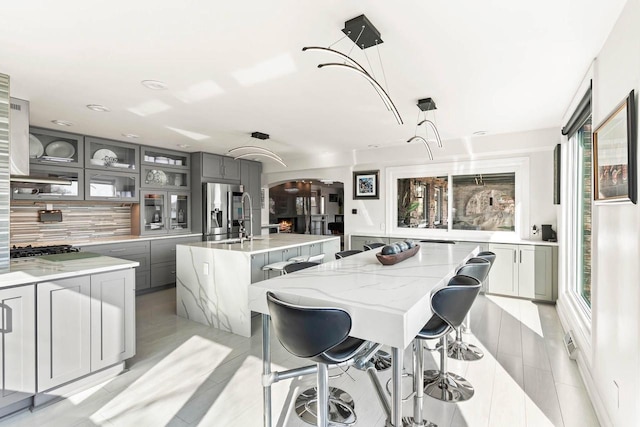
x,y
425,105
253,150
362,32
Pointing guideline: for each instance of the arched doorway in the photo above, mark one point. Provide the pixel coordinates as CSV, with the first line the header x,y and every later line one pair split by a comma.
x,y
307,206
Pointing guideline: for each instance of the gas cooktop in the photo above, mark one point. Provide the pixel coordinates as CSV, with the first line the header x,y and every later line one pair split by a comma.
x,y
28,251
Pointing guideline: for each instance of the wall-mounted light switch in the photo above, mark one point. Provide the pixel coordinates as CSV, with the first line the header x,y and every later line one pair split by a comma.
x,y
354,211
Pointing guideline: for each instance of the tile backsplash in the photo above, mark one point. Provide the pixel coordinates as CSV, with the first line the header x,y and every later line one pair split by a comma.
x,y
80,221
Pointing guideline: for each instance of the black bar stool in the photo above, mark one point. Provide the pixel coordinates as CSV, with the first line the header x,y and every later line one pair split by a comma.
x,y
478,268
369,246
344,254
450,305
297,266
321,335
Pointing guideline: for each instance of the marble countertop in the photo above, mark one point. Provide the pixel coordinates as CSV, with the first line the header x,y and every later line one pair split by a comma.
x,y
23,271
496,238
266,243
388,303
106,240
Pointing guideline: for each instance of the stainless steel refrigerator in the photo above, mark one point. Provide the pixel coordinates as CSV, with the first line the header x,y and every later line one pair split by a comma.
x,y
222,211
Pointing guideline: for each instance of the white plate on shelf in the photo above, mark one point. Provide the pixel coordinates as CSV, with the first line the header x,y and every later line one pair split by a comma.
x,y
120,165
35,146
105,155
156,177
61,149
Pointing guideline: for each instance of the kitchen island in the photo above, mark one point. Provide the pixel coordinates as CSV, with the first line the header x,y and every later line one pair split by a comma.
x,y
213,278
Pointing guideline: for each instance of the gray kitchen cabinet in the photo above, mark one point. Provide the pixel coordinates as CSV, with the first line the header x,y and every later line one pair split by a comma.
x,y
64,331
220,167
107,185
135,250
163,212
257,262
526,271
75,191
250,178
112,318
358,242
53,147
106,154
161,158
17,344
279,256
311,249
163,260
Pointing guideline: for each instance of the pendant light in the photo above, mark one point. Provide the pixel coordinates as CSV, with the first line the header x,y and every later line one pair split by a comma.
x,y
254,150
425,105
364,35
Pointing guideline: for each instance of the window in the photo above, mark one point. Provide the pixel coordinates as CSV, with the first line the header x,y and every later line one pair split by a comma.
x,y
423,202
583,142
485,202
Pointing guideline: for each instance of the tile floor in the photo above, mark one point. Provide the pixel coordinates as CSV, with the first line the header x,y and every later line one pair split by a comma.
x,y
186,374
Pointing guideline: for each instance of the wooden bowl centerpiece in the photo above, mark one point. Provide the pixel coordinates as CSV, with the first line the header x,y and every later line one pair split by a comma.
x,y
394,253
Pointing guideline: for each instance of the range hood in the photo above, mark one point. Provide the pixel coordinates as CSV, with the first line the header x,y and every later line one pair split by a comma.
x,y
19,146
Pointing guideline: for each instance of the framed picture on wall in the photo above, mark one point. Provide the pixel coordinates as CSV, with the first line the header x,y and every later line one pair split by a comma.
x,y
366,185
614,155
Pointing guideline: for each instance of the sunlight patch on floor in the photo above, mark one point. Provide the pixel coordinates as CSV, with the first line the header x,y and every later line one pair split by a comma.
x,y
159,394
524,311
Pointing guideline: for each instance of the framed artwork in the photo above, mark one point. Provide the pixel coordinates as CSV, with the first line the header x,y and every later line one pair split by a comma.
x,y
614,155
366,185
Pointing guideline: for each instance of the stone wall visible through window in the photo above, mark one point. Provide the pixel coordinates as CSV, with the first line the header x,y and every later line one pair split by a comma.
x,y
423,202
484,202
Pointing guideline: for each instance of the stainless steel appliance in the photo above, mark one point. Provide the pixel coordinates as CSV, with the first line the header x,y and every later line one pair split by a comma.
x,y
223,211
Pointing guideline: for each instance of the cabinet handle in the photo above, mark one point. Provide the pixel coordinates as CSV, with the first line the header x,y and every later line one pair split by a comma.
x,y
514,257
118,250
520,256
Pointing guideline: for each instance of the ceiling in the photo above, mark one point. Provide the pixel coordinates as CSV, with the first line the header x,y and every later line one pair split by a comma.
x,y
236,67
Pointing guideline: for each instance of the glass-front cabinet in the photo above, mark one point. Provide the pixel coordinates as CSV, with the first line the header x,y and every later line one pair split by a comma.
x,y
72,191
112,186
164,212
51,147
107,154
152,156
155,177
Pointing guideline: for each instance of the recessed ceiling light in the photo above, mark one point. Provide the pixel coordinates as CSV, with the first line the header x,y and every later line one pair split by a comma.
x,y
99,108
373,146
62,122
183,145
480,132
131,135
154,84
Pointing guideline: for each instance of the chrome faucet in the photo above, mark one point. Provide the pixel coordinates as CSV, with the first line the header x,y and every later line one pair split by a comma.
x,y
243,231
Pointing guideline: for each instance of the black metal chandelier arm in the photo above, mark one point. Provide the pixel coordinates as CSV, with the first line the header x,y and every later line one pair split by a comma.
x,y
426,144
371,80
432,125
352,61
269,156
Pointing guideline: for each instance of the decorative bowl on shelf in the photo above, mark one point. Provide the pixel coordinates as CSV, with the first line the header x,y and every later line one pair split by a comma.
x,y
396,258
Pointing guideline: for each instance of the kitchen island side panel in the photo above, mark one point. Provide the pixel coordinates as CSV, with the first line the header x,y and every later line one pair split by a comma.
x,y
212,288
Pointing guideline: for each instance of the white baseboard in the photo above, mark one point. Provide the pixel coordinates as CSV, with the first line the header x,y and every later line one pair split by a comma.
x,y
584,368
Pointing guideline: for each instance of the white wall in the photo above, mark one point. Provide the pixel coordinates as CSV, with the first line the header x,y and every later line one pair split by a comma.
x,y
614,347
371,217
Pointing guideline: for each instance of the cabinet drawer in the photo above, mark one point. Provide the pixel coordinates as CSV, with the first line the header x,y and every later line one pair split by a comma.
x,y
163,274
165,250
119,250
143,280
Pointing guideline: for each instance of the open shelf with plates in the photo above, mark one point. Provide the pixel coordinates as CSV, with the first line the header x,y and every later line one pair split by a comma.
x,y
114,155
156,177
163,212
51,147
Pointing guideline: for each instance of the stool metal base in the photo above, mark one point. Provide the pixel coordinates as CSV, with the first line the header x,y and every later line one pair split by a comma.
x,y
447,387
461,350
408,422
341,407
381,360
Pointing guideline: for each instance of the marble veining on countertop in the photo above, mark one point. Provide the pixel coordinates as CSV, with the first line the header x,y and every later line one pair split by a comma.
x,y
44,268
107,240
266,243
